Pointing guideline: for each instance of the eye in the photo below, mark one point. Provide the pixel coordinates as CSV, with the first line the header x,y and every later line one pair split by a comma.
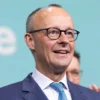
x,y
53,31
70,33
75,73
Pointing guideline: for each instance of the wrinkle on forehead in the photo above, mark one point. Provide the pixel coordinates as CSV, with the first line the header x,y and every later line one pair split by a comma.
x,y
44,14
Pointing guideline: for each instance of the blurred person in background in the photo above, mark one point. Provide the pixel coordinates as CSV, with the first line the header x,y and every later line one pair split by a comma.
x,y
74,71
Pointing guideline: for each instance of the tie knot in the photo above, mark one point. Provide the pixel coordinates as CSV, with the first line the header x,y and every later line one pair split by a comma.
x,y
57,86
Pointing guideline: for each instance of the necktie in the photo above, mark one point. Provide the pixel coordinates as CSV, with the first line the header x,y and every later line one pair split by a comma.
x,y
59,88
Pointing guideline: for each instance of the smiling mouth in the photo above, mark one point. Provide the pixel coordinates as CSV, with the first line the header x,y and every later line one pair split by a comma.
x,y
61,52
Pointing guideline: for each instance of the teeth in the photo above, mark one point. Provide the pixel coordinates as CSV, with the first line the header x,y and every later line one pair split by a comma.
x,y
63,52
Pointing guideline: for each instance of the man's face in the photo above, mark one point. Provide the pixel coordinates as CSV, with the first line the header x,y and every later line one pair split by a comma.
x,y
73,71
52,56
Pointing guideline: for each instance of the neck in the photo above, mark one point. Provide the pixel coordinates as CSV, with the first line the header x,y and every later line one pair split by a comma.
x,y
56,77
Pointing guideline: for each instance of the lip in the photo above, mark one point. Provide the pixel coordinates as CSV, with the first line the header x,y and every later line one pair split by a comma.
x,y
61,51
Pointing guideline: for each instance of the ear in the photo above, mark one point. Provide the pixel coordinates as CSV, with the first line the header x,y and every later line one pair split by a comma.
x,y
29,41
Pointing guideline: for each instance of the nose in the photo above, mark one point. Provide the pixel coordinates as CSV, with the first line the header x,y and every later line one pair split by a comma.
x,y
63,39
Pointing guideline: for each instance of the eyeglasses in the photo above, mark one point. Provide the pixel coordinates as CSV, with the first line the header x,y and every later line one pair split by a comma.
x,y
55,33
75,73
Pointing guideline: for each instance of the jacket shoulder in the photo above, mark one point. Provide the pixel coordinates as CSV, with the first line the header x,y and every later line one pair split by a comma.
x,y
10,91
89,92
84,92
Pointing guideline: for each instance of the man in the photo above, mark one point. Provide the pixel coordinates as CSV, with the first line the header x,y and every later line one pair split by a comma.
x,y
51,38
74,72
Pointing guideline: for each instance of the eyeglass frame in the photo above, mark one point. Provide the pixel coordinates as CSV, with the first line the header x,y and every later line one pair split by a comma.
x,y
60,32
76,74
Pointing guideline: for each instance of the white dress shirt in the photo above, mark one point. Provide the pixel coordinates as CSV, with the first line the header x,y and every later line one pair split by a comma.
x,y
44,83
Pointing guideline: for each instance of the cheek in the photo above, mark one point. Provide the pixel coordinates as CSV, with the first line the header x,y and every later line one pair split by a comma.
x,y
48,48
49,44
45,47
72,45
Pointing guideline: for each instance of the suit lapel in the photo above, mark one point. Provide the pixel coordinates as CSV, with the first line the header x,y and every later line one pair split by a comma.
x,y
31,90
76,92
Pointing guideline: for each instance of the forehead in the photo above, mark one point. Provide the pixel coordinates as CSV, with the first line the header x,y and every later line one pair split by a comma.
x,y
74,64
53,17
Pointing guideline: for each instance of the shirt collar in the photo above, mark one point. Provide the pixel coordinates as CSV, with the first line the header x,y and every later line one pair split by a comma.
x,y
44,81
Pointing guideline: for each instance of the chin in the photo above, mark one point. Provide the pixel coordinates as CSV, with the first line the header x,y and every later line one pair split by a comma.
x,y
59,69
57,72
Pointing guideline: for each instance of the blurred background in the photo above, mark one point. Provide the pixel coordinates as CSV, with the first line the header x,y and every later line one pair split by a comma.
x,y
16,60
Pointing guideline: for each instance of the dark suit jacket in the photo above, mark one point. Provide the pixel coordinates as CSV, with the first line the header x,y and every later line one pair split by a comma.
x,y
28,89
